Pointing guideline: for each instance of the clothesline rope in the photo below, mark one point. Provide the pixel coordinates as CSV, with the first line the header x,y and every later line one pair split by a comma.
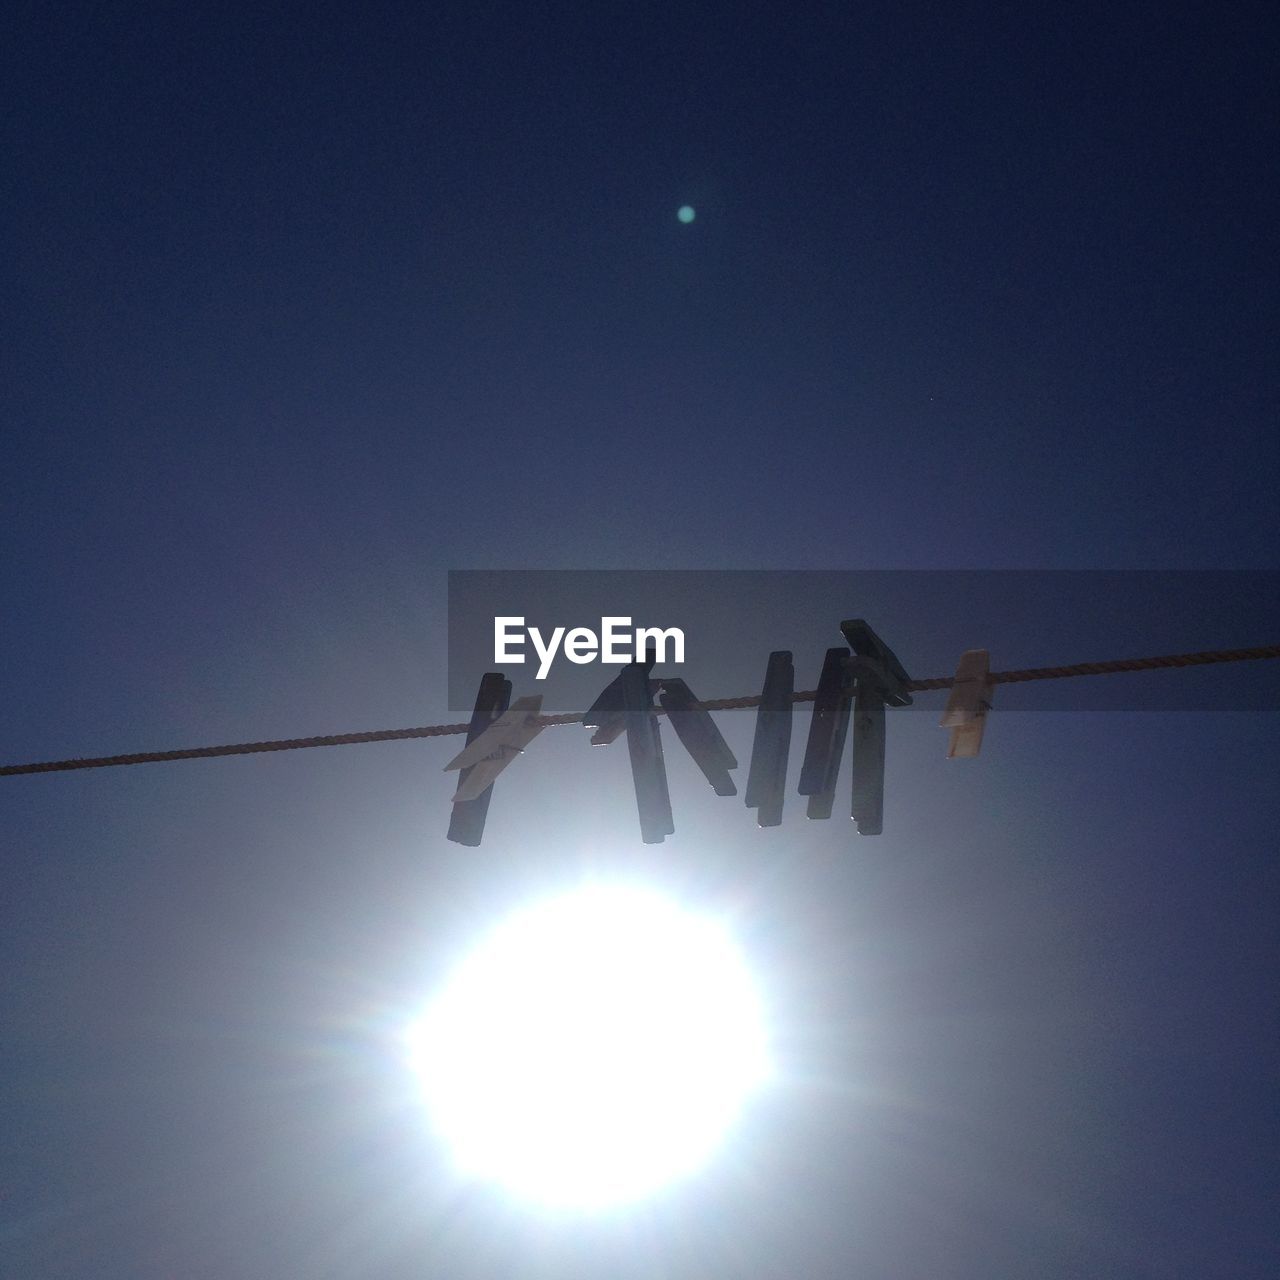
x,y
713,704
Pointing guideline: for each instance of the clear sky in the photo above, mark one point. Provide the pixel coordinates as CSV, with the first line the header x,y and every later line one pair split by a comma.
x,y
304,306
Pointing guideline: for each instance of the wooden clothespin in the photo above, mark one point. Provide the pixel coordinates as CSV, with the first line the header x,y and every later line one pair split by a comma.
x,y
626,703
827,732
971,697
771,746
607,714
699,735
466,822
855,686
880,681
483,759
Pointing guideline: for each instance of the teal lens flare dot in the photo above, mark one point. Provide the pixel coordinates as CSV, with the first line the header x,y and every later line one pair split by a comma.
x,y
686,213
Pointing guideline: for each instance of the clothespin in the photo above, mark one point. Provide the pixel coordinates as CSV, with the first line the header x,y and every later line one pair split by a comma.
x,y
971,697
466,822
767,777
698,733
855,686
880,680
607,714
484,759
627,703
827,731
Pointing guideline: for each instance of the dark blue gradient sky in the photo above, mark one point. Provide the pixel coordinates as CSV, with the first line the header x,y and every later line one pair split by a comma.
x,y
306,305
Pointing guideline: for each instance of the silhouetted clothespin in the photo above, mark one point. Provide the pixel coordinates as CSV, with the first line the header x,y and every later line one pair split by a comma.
x,y
626,703
699,735
972,693
767,776
466,822
606,715
827,732
485,758
855,686
880,680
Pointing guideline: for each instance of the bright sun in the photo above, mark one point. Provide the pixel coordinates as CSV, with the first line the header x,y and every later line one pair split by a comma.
x,y
592,1048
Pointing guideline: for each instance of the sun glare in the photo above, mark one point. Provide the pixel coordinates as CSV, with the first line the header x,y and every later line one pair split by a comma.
x,y
592,1048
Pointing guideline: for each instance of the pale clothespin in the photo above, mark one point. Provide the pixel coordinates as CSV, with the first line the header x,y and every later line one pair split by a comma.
x,y
972,693
767,777
484,758
466,821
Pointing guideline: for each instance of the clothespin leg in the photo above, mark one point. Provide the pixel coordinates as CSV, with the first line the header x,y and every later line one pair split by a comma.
x,y
466,821
966,740
644,744
699,735
867,808
771,747
827,732
822,802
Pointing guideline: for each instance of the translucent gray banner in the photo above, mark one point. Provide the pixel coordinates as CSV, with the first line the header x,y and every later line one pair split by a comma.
x,y
730,622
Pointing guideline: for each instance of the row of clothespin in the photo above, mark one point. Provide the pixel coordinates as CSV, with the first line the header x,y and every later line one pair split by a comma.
x,y
858,681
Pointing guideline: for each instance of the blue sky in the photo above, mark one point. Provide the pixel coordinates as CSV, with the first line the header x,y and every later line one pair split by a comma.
x,y
305,307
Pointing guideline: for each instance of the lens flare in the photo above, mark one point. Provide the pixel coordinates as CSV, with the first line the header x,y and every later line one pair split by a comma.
x,y
593,1048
